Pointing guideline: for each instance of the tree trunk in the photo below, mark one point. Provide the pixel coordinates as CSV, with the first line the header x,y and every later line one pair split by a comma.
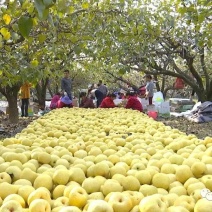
x,y
13,108
11,94
50,91
155,77
209,93
41,88
163,83
202,96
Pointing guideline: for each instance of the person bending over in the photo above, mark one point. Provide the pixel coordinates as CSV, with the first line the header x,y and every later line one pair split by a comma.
x,y
54,101
133,102
64,102
108,101
86,102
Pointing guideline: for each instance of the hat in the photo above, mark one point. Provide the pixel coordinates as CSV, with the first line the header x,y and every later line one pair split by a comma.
x,y
66,100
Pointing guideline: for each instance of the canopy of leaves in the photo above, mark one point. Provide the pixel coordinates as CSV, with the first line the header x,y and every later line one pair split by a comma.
x,y
38,39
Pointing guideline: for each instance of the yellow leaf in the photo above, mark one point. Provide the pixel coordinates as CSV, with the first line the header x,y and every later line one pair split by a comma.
x,y
35,21
71,9
6,19
85,5
34,63
3,30
6,34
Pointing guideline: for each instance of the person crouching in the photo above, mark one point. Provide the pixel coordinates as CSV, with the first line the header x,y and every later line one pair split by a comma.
x,y
54,101
64,101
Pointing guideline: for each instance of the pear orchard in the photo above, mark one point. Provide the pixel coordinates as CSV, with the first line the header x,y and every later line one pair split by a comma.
x,y
104,160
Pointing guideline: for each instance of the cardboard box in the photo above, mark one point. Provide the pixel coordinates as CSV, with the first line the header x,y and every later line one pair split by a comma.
x,y
164,109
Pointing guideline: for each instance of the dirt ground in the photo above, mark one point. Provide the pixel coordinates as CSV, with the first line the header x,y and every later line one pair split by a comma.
x,y
200,130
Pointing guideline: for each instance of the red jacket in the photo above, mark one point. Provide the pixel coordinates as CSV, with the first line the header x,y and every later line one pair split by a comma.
x,y
107,102
61,104
54,101
134,103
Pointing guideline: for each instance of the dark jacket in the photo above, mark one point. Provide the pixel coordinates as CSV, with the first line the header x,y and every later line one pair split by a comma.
x,y
87,103
66,86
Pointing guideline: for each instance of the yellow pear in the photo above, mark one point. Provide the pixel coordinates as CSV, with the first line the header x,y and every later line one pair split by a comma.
x,y
11,205
198,169
187,173
161,180
43,180
148,190
177,209
203,205
6,189
61,176
78,197
25,191
58,191
153,203
144,177
17,198
187,202
28,174
77,175
111,185
39,205
40,193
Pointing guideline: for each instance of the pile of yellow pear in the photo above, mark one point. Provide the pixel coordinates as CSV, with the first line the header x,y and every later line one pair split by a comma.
x,y
104,160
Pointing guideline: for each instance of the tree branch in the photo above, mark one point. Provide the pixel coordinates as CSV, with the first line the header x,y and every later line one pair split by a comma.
x,y
203,66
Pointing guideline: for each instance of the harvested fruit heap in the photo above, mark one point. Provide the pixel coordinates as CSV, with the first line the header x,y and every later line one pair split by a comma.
x,y
112,160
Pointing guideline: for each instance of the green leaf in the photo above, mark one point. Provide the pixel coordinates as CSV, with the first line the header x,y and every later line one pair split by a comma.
x,y
71,9
39,5
45,14
21,1
122,71
73,39
41,38
48,3
25,25
182,10
77,49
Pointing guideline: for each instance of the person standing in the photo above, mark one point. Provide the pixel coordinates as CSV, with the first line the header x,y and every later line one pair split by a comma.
x,y
25,95
96,93
102,88
149,88
66,84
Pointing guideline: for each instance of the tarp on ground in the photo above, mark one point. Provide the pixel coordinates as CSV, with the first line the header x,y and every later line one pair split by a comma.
x,y
201,112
